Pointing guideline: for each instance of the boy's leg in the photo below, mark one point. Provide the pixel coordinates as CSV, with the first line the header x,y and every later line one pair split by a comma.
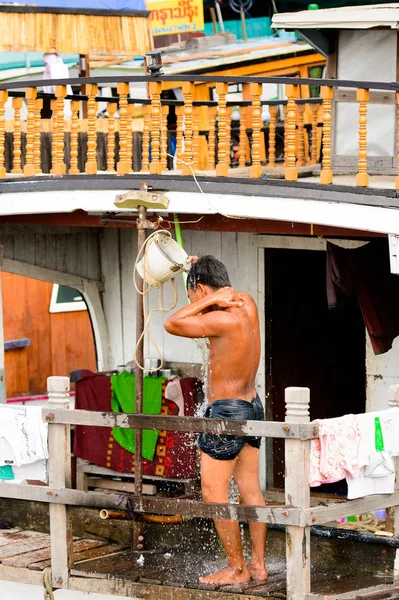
x,y
215,479
246,476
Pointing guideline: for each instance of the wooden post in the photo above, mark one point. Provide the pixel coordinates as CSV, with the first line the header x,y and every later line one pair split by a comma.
x,y
111,110
300,136
129,154
392,514
123,91
179,135
155,88
91,163
17,105
397,133
256,92
212,137
362,178
291,172
243,137
315,141
272,135
37,155
54,133
3,100
196,137
285,111
222,167
164,137
59,166
29,168
188,91
297,495
59,442
145,143
326,174
74,146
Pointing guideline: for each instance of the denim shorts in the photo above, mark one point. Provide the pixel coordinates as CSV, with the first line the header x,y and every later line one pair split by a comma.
x,y
228,447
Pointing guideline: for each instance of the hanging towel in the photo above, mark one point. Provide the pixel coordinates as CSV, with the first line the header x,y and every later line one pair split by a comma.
x,y
124,400
379,444
335,453
174,393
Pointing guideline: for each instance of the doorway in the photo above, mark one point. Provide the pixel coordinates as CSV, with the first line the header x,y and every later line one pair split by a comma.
x,y
308,345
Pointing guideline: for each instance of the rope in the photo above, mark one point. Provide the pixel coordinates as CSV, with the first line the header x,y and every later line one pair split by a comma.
x,y
48,584
364,522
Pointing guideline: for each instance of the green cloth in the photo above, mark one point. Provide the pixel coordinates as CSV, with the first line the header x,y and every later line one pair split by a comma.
x,y
124,400
6,473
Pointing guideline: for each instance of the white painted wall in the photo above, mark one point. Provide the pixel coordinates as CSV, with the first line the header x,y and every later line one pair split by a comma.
x,y
382,371
378,64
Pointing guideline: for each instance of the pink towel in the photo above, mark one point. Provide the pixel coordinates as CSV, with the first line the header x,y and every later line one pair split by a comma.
x,y
336,452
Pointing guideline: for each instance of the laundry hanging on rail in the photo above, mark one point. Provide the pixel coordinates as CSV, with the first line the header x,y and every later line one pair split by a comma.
x,y
365,273
23,443
378,446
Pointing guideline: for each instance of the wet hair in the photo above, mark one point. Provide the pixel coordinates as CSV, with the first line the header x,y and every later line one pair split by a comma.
x,y
208,270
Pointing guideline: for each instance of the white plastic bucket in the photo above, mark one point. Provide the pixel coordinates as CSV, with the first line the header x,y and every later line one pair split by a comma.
x,y
163,259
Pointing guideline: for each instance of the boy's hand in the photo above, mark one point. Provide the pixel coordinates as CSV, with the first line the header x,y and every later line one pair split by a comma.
x,y
226,298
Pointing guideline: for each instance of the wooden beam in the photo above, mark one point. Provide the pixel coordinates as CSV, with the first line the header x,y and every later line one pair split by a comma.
x,y
164,506
274,429
43,274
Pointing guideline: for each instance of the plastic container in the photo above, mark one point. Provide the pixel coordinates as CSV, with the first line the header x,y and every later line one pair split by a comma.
x,y
163,260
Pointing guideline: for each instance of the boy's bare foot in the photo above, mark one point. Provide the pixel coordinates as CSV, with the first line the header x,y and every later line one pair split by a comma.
x,y
228,575
258,572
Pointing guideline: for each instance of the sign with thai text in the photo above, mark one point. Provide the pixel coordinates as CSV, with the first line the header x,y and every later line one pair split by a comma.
x,y
176,16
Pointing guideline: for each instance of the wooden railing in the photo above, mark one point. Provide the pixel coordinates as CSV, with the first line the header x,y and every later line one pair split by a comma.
x,y
296,515
160,136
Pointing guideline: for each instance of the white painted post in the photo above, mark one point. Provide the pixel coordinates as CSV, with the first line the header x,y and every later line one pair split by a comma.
x,y
297,494
392,518
59,441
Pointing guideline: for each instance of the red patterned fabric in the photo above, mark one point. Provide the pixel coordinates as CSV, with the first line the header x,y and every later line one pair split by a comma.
x,y
175,454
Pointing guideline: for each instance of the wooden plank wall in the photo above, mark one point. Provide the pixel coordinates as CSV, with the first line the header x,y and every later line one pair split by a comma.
x,y
73,250
59,342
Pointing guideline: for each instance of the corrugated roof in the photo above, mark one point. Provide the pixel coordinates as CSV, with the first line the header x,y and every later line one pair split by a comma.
x,y
348,17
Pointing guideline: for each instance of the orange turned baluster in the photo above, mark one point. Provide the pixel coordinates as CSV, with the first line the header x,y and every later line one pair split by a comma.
x,y
156,118
362,178
130,114
179,135
17,105
59,166
91,163
188,90
291,172
29,168
300,136
243,137
145,142
222,167
196,137
123,90
229,112
164,137
112,107
54,133
74,144
285,111
3,100
212,137
272,135
37,155
326,175
315,141
397,126
256,91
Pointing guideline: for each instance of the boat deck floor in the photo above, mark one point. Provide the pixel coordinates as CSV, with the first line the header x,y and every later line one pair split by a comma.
x,y
172,573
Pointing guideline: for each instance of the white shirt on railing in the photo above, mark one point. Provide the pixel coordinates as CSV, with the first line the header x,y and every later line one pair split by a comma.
x,y
24,441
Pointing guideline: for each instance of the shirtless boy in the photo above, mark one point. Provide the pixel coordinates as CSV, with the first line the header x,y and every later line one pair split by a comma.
x,y
229,319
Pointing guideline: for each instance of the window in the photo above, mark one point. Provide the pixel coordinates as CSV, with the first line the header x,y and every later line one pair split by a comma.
x,y
66,299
